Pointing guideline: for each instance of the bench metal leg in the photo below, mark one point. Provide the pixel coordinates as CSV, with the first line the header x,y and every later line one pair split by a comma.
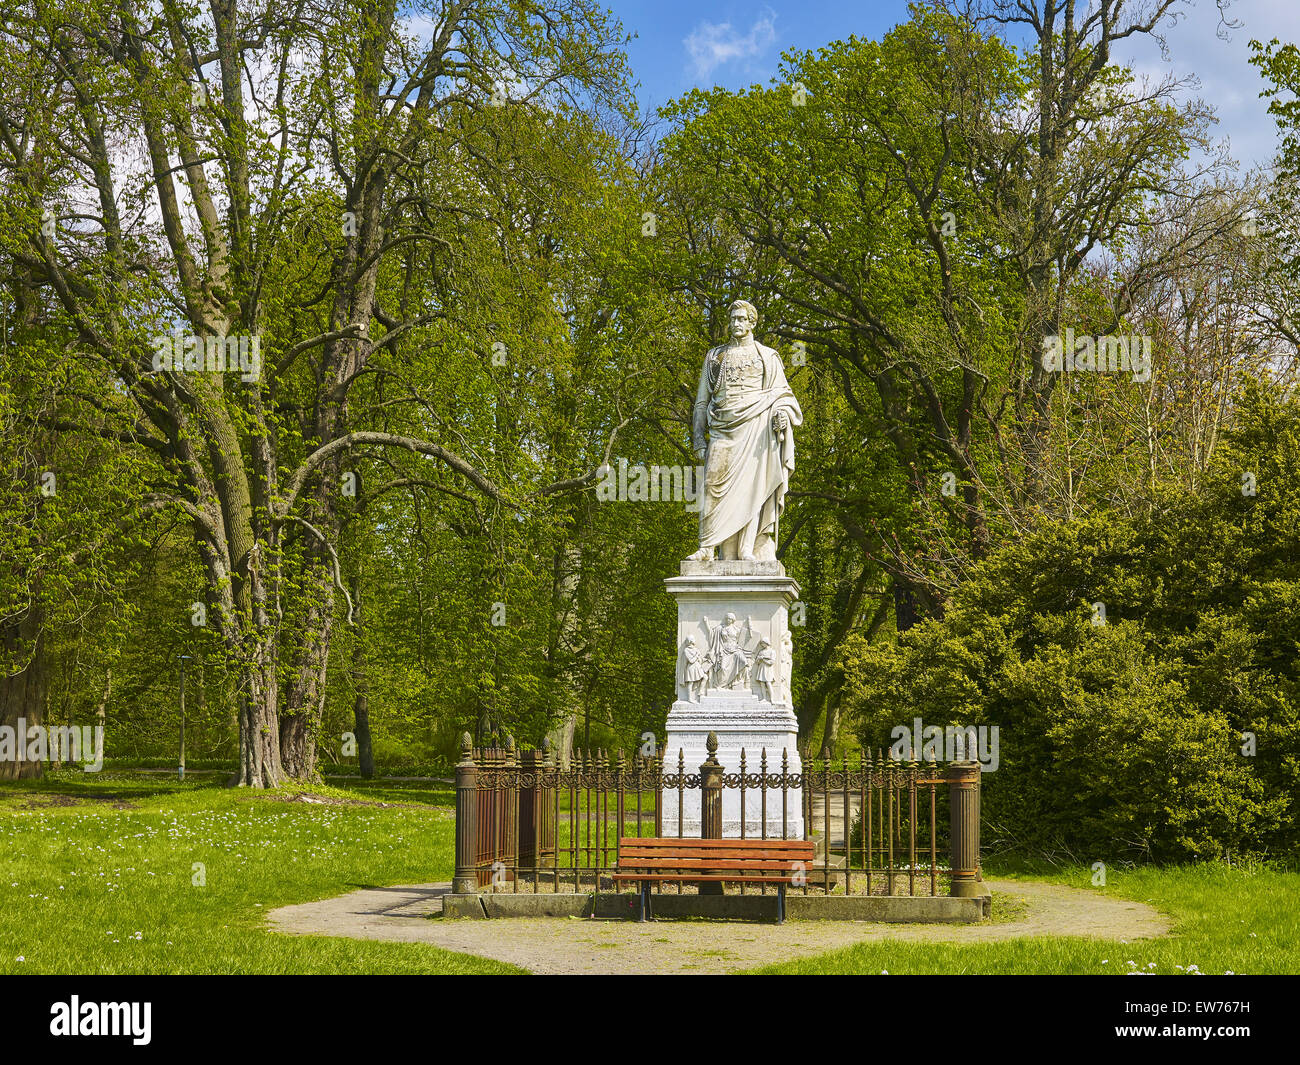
x,y
780,904
643,910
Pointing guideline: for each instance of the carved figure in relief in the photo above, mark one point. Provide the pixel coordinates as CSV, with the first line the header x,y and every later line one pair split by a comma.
x,y
765,669
727,654
692,670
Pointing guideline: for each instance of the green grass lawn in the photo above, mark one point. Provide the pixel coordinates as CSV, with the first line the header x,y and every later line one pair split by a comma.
x,y
1225,920
98,875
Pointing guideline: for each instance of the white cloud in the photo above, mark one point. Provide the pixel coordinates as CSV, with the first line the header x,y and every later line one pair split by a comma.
x,y
1218,57
711,45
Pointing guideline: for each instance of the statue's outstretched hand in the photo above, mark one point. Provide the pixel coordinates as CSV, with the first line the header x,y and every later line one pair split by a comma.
x,y
780,421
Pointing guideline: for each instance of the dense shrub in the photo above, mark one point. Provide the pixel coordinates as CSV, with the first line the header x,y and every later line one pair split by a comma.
x,y
1125,739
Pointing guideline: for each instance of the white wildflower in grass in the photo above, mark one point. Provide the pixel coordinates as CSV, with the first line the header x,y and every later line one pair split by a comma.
x,y
1193,969
1105,961
1151,965
20,958
1131,964
884,972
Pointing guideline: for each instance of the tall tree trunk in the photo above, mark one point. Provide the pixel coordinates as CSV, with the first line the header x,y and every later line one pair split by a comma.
x,y
907,597
361,684
562,737
22,693
305,698
830,733
361,711
259,728
101,717
304,702
565,570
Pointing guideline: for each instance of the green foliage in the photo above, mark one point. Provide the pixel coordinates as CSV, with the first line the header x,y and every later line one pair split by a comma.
x,y
1126,738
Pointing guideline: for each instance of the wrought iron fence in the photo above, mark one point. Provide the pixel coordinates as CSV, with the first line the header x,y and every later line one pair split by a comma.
x,y
526,822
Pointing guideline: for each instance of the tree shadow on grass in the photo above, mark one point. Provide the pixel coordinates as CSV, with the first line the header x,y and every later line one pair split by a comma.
x,y
60,789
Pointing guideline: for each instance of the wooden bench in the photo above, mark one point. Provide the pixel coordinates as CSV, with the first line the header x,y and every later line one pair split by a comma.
x,y
649,860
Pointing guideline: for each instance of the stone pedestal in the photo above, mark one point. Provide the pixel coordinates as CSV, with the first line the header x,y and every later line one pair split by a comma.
x,y
743,716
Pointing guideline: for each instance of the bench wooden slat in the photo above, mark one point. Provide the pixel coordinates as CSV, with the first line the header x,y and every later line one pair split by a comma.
x,y
705,844
679,861
746,854
682,862
720,852
700,874
730,878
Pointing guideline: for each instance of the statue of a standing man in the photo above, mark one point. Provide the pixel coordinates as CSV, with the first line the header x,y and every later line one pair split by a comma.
x,y
746,408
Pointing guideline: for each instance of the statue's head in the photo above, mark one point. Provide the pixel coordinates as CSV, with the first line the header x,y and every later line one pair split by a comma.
x,y
744,316
690,641
763,641
731,619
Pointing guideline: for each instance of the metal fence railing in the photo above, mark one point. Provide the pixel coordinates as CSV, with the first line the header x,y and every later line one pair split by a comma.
x,y
525,821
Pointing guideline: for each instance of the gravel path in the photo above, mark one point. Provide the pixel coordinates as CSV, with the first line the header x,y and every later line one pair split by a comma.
x,y
578,946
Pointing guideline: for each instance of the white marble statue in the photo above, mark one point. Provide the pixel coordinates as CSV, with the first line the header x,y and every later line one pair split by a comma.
x,y
743,431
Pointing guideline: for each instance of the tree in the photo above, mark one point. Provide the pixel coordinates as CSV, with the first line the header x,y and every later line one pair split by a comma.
x,y
343,87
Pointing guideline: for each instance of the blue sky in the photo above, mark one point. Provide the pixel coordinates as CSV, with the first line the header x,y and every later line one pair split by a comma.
x,y
684,43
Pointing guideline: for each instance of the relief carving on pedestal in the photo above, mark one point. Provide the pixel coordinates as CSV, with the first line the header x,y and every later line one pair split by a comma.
x,y
728,665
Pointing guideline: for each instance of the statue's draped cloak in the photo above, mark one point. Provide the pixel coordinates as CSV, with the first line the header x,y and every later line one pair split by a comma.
x,y
748,467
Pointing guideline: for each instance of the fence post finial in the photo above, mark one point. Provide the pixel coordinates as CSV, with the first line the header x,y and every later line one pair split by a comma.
x,y
711,803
